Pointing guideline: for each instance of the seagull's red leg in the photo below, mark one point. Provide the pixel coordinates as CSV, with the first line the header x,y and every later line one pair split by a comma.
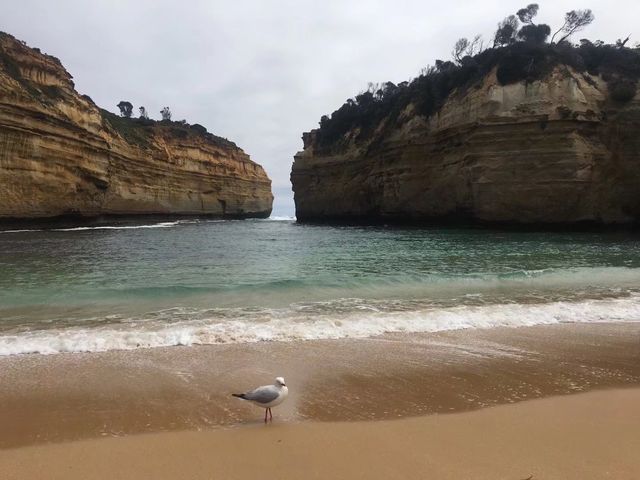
x,y
270,414
265,414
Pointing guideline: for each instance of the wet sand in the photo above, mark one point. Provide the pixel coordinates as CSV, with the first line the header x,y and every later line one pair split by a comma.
x,y
70,397
594,435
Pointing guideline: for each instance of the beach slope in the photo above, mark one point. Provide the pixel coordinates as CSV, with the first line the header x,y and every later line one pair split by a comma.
x,y
593,435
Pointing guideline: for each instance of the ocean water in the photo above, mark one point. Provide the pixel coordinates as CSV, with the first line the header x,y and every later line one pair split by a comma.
x,y
190,282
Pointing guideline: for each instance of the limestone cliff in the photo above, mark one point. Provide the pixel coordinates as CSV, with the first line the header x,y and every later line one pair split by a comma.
x,y
60,154
557,150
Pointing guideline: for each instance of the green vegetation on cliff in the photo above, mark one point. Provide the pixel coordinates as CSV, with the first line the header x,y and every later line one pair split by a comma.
x,y
139,130
517,55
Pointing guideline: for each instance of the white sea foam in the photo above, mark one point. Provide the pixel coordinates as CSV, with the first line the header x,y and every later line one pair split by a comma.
x,y
20,231
191,328
136,227
104,227
120,227
277,218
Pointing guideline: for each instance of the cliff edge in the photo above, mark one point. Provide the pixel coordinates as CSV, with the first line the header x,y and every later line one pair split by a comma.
x,y
62,155
558,144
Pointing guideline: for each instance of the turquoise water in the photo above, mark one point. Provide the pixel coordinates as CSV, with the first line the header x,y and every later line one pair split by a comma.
x,y
205,281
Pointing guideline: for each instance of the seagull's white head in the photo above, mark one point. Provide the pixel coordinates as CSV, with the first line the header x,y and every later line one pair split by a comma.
x,y
280,382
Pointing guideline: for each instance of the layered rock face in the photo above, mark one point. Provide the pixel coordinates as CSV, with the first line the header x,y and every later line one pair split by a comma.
x,y
554,151
60,154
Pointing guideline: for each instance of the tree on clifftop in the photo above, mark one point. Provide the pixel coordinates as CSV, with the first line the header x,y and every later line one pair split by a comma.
x,y
574,21
166,113
125,108
527,14
506,33
534,33
531,32
143,113
465,48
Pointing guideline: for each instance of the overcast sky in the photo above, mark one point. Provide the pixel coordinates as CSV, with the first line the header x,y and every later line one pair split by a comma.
x,y
261,72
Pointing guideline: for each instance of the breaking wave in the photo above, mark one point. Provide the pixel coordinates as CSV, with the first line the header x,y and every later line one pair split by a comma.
x,y
353,318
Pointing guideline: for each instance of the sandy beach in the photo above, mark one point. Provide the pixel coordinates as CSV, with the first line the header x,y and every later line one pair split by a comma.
x,y
587,436
55,398
549,401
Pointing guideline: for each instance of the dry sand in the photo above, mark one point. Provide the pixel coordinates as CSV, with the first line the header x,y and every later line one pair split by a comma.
x,y
586,436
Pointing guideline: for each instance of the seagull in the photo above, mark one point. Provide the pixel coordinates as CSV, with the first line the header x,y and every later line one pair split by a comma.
x,y
267,396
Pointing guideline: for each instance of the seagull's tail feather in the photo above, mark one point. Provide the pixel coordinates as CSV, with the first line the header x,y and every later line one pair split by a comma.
x,y
239,395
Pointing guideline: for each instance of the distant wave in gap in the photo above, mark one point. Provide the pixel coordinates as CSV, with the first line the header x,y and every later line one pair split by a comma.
x,y
276,218
201,330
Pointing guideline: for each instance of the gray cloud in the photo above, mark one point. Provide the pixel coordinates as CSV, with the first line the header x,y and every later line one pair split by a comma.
x,y
261,72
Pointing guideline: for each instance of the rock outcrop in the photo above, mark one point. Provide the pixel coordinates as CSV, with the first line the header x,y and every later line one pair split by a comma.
x,y
557,150
62,155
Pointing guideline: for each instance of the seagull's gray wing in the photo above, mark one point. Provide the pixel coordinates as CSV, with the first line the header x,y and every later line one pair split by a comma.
x,y
264,394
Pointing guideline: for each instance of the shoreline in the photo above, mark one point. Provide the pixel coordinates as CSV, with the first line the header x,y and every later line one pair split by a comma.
x,y
151,322
65,397
586,436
